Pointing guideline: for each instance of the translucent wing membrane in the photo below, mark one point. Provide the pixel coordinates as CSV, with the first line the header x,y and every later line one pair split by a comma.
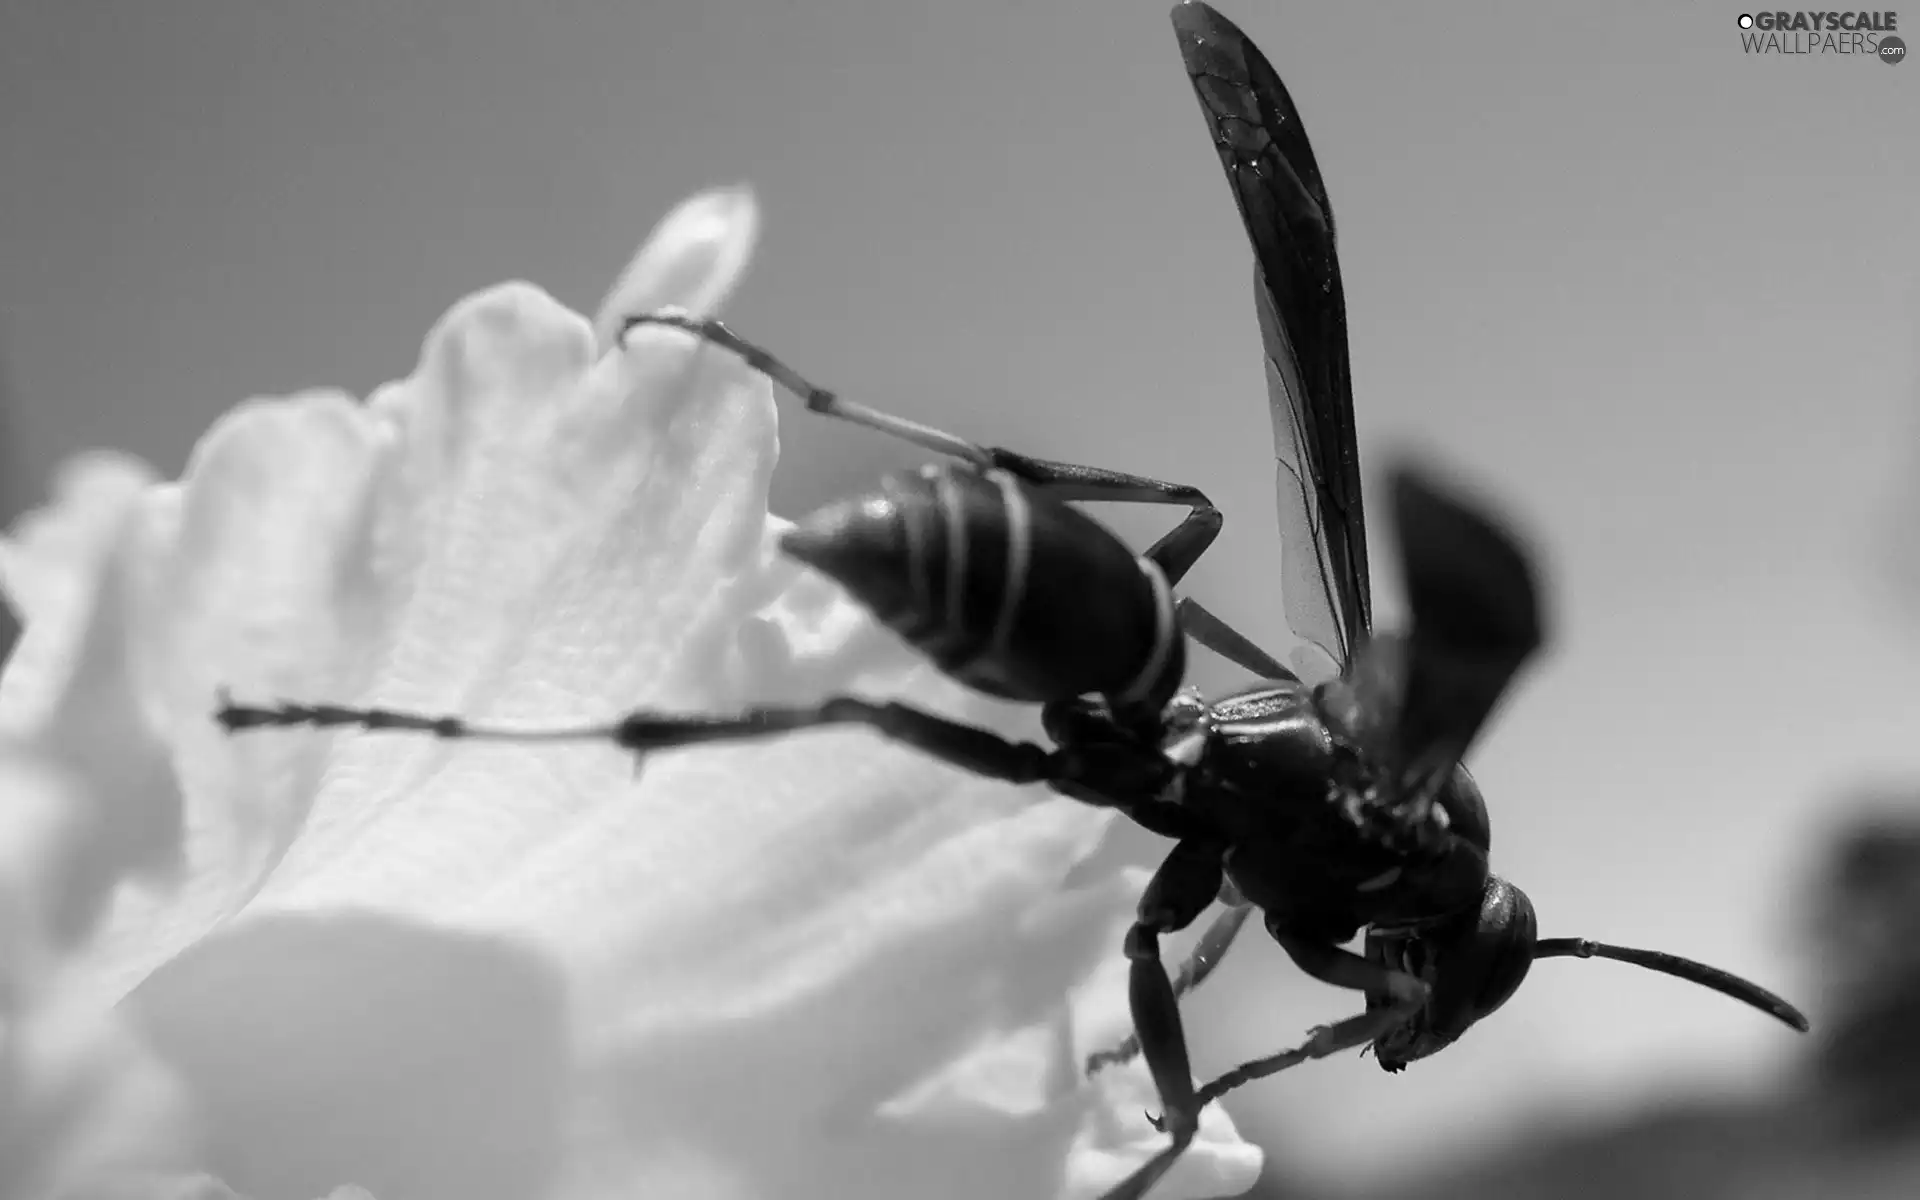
x,y
1323,574
1303,321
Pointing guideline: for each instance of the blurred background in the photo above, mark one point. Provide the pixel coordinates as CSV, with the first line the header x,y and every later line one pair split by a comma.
x,y
1655,294
16,491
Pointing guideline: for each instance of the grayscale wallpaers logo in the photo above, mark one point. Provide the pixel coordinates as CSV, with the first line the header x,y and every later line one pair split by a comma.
x,y
1866,34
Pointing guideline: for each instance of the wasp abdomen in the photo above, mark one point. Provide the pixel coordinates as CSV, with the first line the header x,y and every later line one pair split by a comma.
x,y
1003,587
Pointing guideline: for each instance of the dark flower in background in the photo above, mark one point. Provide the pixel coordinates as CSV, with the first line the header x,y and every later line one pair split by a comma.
x,y
1865,930
12,499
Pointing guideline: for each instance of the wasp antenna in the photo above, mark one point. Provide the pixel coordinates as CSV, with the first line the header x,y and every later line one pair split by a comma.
x,y
1724,982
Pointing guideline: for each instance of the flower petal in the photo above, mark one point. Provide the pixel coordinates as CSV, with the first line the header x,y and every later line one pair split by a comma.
x,y
67,690
691,260
489,522
81,1100
506,969
51,565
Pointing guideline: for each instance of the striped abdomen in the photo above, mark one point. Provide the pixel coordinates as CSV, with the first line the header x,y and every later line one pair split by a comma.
x,y
1004,588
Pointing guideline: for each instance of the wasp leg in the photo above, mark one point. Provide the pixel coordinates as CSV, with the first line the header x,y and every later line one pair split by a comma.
x,y
1175,553
1183,887
1226,641
1211,948
1104,780
816,398
965,746
1342,968
1328,1039
1200,963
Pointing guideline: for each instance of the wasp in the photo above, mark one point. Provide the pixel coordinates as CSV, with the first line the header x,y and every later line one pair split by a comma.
x,y
1330,799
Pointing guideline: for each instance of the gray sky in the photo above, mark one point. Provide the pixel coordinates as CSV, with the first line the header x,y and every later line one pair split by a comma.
x,y
1657,294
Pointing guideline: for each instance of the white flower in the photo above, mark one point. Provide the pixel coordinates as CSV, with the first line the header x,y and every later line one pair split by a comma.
x,y
815,966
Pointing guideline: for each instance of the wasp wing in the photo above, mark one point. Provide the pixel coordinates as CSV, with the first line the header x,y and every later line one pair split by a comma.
x,y
1303,321
1475,620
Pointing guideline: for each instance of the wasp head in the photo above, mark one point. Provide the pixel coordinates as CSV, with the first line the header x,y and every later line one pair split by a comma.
x,y
1472,963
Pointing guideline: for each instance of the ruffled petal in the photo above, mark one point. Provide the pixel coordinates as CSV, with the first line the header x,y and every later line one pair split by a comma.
x,y
84,1106
501,969
692,261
